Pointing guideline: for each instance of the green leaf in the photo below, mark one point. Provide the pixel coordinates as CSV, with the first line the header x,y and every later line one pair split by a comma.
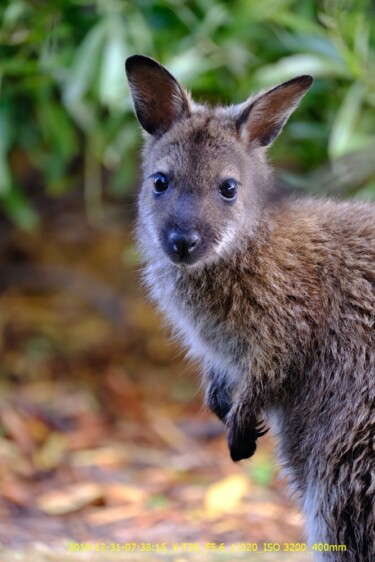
x,y
288,67
264,10
19,209
158,501
5,176
139,33
297,23
112,81
6,138
6,129
362,37
58,129
15,11
367,192
341,138
82,76
185,64
262,469
124,179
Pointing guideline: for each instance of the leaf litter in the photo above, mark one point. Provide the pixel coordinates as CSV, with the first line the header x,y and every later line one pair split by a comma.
x,y
103,437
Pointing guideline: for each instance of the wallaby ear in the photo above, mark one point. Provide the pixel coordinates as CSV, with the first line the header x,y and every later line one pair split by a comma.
x,y
262,119
159,100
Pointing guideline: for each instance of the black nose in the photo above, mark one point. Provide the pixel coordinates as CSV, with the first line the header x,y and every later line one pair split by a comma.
x,y
183,244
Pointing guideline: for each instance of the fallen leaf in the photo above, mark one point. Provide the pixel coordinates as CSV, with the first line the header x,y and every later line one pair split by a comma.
x,y
15,492
109,515
17,429
226,495
37,429
51,454
123,493
113,455
69,499
170,432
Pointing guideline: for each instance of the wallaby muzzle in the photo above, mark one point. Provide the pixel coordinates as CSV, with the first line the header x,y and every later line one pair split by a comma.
x,y
182,245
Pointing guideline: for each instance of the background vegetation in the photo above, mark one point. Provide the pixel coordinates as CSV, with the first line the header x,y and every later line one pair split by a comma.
x,y
102,432
66,116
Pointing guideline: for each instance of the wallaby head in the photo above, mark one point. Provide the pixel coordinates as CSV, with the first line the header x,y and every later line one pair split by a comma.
x,y
205,170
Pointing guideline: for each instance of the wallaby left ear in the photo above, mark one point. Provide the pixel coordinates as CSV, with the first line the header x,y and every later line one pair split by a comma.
x,y
159,100
262,119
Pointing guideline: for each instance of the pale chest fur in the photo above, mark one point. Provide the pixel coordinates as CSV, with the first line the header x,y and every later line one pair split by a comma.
x,y
196,323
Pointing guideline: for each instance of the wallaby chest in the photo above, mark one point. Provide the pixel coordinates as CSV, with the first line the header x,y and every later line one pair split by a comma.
x,y
201,310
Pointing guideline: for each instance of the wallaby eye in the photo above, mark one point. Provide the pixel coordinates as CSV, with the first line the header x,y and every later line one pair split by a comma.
x,y
160,183
228,188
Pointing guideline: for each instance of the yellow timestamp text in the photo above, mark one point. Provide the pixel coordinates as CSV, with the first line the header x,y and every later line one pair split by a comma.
x,y
168,547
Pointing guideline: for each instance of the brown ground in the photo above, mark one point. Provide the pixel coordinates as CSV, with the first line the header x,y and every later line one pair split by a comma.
x,y
103,438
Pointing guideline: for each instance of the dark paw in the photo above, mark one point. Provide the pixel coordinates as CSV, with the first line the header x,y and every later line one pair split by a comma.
x,y
242,439
220,408
219,401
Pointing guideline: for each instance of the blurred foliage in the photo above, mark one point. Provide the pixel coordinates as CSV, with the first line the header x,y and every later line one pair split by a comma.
x,y
65,107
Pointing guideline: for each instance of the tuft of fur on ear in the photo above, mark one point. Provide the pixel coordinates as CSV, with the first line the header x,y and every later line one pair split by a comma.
x,y
262,119
159,100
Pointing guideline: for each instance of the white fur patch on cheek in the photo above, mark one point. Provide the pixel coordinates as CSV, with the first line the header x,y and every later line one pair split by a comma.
x,y
226,240
150,225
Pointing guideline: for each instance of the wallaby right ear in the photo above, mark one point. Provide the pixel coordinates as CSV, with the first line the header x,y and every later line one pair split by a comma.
x,y
159,100
262,119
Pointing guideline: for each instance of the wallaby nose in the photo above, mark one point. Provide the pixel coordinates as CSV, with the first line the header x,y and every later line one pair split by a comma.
x,y
183,244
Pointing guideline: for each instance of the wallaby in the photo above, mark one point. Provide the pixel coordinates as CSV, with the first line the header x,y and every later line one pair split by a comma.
x,y
276,299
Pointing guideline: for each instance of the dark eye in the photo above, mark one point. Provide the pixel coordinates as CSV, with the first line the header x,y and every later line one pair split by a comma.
x,y
160,183
228,189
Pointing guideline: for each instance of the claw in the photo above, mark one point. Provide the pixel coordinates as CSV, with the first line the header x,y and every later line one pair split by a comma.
x,y
242,440
261,429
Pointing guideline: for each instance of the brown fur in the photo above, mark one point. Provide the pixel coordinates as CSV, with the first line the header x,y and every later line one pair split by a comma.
x,y
277,300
